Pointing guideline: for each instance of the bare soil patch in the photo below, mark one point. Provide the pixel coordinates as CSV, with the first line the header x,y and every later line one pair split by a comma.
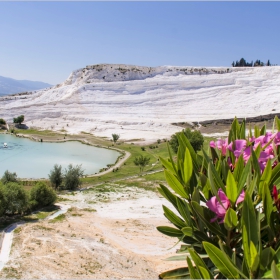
x,y
103,235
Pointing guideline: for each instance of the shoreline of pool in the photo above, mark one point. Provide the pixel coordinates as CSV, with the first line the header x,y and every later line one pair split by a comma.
x,y
124,155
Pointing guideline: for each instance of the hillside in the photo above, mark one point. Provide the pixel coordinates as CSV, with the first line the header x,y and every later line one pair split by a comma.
x,y
142,102
11,86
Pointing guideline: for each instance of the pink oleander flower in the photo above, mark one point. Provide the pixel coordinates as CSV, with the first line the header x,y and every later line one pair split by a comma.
x,y
220,209
221,144
237,147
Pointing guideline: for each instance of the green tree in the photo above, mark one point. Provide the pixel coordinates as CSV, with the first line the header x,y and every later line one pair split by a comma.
x,y
141,161
72,177
19,119
42,195
16,197
2,121
195,137
115,137
56,176
9,177
3,201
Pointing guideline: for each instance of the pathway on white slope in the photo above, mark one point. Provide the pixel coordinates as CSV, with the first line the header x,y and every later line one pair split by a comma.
x,y
8,235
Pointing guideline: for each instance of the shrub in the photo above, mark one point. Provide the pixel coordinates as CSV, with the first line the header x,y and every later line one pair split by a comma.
x,y
72,177
16,197
228,206
195,138
56,176
158,141
2,121
143,148
9,177
42,195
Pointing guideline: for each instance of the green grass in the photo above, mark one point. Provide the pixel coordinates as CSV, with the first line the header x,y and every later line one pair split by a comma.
x,y
129,168
59,218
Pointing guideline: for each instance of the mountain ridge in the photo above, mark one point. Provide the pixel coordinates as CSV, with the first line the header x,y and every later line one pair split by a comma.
x,y
13,86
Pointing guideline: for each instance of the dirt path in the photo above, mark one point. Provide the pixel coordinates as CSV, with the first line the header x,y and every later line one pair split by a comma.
x,y
104,235
117,165
8,235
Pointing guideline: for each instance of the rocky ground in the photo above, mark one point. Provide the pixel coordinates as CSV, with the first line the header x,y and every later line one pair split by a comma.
x,y
108,232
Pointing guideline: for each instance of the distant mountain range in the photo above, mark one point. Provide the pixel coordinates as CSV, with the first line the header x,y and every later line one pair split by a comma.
x,y
10,86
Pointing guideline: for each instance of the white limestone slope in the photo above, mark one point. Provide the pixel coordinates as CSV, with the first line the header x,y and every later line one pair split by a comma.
x,y
142,102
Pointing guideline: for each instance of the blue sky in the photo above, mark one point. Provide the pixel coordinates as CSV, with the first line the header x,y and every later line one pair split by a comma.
x,y
45,41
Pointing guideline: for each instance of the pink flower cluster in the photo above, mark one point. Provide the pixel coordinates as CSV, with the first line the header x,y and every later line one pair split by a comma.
x,y
243,147
220,209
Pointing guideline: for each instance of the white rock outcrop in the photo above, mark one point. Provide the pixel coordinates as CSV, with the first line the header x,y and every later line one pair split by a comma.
x,y
142,102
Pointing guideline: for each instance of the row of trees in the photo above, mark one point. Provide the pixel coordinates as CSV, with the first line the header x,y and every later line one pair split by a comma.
x,y
15,200
242,63
19,120
68,179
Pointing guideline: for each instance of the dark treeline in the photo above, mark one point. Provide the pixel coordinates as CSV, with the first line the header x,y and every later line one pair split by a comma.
x,y
243,63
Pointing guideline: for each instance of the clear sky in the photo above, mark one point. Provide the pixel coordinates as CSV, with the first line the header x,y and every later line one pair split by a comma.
x,y
45,41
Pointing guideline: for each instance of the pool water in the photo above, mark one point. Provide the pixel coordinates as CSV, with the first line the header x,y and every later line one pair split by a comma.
x,y
30,159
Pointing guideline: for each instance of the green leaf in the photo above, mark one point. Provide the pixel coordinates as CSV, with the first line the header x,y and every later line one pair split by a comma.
x,y
173,232
174,183
245,173
196,195
252,185
277,255
185,143
188,166
239,166
165,192
267,205
168,165
231,189
249,219
177,273
246,246
266,176
221,261
277,123
230,221
171,158
215,180
255,258
188,231
267,256
184,211
274,176
193,272
242,133
200,264
206,188
173,218
255,162
204,273
257,131
258,151
275,271
263,130
204,216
